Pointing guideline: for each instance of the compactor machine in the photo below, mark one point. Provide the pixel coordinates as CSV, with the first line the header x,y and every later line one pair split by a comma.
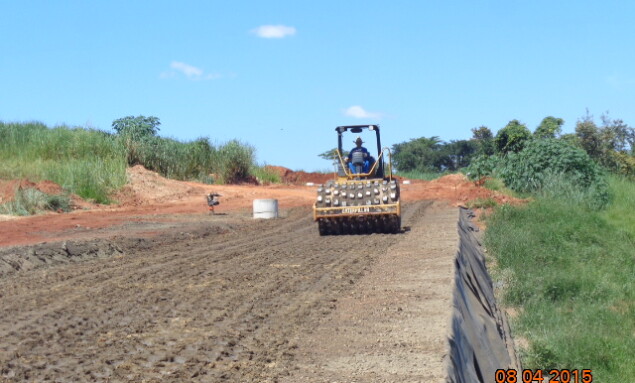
x,y
364,196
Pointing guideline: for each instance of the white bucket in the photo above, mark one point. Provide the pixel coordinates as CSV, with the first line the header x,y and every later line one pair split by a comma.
x,y
266,208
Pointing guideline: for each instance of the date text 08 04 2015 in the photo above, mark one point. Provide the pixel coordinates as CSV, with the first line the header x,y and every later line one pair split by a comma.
x,y
538,376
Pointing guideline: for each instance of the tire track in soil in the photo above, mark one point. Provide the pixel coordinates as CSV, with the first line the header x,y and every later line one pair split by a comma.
x,y
231,306
65,279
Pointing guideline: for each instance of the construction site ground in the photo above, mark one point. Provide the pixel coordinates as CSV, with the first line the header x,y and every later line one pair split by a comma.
x,y
157,289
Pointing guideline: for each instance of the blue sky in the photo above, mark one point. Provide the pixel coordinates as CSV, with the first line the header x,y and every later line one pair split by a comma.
x,y
281,75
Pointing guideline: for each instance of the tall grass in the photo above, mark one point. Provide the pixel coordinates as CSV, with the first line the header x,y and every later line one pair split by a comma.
x,y
569,269
31,201
92,163
265,175
87,162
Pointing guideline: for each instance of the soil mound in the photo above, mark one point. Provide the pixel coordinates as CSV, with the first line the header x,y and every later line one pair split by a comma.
x,y
459,191
146,187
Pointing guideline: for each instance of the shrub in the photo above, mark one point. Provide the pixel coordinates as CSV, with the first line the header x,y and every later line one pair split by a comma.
x,y
541,159
548,167
512,138
482,166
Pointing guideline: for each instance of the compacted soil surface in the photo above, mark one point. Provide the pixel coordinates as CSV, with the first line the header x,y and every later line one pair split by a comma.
x,y
229,298
157,289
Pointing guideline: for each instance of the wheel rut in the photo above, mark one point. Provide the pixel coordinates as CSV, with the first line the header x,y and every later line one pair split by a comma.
x,y
236,305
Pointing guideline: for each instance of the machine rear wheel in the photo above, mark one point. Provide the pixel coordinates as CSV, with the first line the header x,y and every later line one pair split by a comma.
x,y
322,227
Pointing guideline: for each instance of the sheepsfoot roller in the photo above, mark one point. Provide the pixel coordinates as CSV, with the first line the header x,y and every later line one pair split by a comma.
x,y
364,197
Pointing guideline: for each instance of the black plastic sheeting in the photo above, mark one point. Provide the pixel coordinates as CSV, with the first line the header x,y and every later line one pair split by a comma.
x,y
480,340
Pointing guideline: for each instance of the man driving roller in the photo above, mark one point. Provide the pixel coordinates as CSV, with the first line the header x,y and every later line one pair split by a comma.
x,y
368,160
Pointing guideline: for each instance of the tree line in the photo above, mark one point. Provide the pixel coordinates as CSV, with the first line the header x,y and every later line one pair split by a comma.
x,y
609,143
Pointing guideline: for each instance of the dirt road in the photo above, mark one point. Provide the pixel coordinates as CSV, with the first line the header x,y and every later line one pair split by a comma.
x,y
227,298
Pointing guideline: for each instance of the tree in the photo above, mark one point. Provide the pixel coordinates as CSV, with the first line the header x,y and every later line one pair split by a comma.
x,y
138,135
457,154
589,136
332,156
616,135
611,144
137,127
512,138
421,154
550,127
485,140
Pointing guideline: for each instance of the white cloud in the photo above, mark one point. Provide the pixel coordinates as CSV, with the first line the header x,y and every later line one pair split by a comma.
x,y
274,31
190,71
359,112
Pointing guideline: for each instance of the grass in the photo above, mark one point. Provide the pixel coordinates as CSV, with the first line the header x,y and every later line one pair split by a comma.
x,y
87,162
482,203
417,175
32,201
619,210
92,163
569,270
265,175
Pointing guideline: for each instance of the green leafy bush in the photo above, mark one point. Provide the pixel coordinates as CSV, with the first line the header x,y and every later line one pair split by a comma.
x,y
483,166
552,159
512,138
549,167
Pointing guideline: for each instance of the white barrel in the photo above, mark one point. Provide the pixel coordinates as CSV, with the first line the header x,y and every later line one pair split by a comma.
x,y
266,208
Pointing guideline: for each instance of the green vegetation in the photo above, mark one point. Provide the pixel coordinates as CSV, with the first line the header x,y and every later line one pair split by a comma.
x,y
431,155
265,176
92,163
569,270
332,156
512,138
419,175
547,166
195,160
86,162
496,185
31,201
482,203
565,260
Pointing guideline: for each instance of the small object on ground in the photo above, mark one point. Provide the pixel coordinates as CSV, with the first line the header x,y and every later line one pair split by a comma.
x,y
265,208
310,184
406,182
212,200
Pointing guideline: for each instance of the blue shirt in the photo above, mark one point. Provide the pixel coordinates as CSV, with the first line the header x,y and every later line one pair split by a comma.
x,y
356,149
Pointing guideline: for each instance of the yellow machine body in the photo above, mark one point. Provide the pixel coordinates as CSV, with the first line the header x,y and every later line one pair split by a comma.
x,y
359,203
